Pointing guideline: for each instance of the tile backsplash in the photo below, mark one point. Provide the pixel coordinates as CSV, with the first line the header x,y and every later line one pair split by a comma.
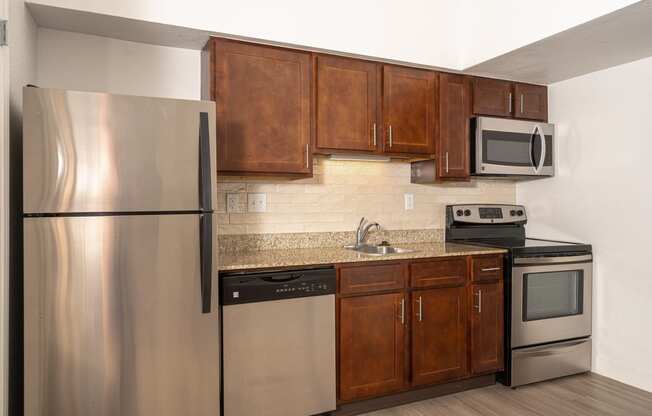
x,y
341,192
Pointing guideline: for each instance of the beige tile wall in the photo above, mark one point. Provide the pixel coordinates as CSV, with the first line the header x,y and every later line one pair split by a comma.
x,y
343,191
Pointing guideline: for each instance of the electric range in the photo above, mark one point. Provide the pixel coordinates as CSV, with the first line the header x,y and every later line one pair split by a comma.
x,y
547,291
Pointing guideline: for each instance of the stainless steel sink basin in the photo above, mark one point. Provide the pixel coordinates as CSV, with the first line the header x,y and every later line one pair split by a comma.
x,y
379,250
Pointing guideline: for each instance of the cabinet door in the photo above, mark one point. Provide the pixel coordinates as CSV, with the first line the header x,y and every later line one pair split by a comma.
x,y
453,140
531,101
439,349
347,95
492,97
262,96
409,100
372,345
487,327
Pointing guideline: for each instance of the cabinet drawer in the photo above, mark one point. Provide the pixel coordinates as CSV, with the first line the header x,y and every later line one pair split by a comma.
x,y
439,273
365,279
487,268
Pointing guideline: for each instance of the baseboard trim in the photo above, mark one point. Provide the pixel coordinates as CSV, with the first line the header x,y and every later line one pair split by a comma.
x,y
398,399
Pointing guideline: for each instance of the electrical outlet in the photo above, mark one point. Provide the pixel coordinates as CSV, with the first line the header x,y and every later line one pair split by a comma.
x,y
409,201
234,202
257,202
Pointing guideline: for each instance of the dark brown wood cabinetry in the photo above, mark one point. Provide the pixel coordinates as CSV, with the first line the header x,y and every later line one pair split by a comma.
x,y
262,97
487,314
494,97
409,110
531,101
487,327
452,144
276,106
347,104
438,335
443,316
371,345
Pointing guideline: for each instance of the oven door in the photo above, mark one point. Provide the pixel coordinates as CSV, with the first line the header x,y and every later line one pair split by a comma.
x,y
551,299
513,147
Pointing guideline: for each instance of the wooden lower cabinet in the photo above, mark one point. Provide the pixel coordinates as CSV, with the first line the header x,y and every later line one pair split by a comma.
x,y
371,345
439,335
438,326
487,327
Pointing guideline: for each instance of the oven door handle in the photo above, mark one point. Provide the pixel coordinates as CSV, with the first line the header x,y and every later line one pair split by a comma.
x,y
553,260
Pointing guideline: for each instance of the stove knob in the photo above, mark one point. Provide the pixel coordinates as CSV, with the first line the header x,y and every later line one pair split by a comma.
x,y
467,212
459,212
512,213
519,212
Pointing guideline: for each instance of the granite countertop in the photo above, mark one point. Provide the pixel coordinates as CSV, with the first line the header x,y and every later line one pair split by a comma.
x,y
262,259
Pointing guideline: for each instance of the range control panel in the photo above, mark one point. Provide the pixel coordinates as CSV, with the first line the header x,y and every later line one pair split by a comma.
x,y
486,214
239,288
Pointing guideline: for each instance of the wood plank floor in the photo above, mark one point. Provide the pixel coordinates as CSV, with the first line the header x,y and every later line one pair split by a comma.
x,y
582,395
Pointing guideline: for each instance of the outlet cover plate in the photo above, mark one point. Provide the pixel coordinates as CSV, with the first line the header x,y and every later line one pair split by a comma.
x,y
257,202
409,201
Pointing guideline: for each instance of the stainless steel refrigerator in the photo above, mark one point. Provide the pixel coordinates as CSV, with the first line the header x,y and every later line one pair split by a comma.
x,y
120,284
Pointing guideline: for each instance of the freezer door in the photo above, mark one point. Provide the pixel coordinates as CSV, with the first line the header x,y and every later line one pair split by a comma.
x,y
114,318
94,152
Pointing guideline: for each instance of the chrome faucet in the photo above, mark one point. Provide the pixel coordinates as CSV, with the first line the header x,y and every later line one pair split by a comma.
x,y
363,230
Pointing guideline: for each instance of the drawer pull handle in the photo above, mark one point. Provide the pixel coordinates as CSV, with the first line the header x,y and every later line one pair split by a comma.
x,y
491,269
420,315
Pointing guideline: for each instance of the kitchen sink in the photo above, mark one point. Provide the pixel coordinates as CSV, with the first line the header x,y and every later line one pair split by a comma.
x,y
379,250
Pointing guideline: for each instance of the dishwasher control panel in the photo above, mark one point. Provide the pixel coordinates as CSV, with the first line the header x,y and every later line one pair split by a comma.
x,y
240,288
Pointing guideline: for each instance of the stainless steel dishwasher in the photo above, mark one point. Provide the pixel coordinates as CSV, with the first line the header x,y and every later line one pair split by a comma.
x,y
278,343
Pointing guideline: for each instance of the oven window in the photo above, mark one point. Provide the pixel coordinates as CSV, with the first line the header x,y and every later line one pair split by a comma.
x,y
552,294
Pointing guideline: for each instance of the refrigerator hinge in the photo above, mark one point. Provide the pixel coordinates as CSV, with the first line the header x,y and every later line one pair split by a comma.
x,y
3,32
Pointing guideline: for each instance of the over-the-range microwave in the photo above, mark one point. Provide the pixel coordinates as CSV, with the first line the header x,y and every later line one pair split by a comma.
x,y
512,148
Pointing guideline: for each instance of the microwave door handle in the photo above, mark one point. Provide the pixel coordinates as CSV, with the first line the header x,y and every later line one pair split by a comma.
x,y
543,149
533,136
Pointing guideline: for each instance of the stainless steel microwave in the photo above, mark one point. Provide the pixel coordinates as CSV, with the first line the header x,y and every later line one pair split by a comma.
x,y
505,147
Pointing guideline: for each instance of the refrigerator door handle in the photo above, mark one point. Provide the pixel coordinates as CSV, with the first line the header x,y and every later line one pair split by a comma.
x,y
206,260
205,192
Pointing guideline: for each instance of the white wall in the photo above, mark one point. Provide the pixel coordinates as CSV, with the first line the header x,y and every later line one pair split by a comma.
x,y
601,195
91,63
439,33
418,31
495,27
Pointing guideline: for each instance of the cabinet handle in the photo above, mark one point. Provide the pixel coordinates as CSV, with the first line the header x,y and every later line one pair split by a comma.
x,y
390,135
490,269
307,156
509,103
420,314
403,311
521,103
479,306
446,162
374,134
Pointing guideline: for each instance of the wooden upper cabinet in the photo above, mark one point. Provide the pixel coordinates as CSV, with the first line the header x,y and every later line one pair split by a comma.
x,y
262,96
347,104
409,110
487,327
452,148
531,101
371,345
439,349
492,97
